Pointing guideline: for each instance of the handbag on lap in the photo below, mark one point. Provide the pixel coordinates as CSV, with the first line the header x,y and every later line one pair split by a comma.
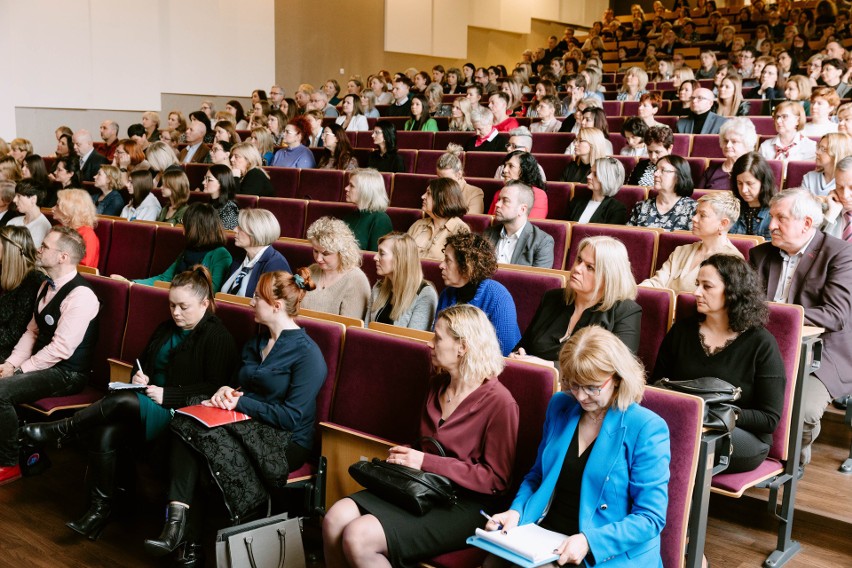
x,y
719,413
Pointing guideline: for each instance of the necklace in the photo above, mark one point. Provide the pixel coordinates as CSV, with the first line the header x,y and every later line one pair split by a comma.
x,y
600,417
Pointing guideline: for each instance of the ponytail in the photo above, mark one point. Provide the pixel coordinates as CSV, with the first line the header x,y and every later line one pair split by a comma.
x,y
286,287
198,279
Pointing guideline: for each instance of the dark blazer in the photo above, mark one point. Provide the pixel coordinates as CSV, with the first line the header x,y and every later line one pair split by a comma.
x,y
255,182
496,145
711,126
92,165
270,261
201,156
822,284
534,248
610,211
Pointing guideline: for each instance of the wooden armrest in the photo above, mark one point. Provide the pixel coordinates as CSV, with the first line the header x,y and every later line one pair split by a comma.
x,y
342,447
119,371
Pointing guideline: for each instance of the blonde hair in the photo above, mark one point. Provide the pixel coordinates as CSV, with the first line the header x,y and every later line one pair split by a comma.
x,y
724,204
613,277
260,225
804,86
684,74
113,175
596,139
9,169
19,256
839,145
794,107
153,116
250,153
483,358
160,155
21,144
264,139
592,355
402,286
451,159
372,195
4,148
75,208
465,123
334,235
637,72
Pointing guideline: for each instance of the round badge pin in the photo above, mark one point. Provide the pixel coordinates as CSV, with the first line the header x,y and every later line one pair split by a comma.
x,y
48,319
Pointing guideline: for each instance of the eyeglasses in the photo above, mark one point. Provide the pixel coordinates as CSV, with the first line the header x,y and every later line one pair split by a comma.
x,y
665,171
588,390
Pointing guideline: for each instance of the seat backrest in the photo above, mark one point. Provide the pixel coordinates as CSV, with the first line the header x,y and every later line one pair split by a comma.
x,y
289,212
195,173
408,189
400,375
682,145
321,185
561,233
553,164
402,218
629,162
130,250
558,198
414,140
763,124
244,201
409,157
683,414
612,108
285,181
796,170
104,233
527,289
551,142
442,139
641,244
668,241
706,146
113,296
427,161
169,242
697,167
477,222
147,308
482,164
298,253
317,209
657,312
489,186
239,319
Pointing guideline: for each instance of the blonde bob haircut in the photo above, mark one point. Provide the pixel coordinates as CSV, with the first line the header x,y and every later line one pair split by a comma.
x,y
805,88
334,235
613,278
113,175
794,107
160,155
9,169
19,256
482,358
637,72
21,144
261,226
372,195
598,142
839,145
251,154
402,285
592,355
724,204
75,208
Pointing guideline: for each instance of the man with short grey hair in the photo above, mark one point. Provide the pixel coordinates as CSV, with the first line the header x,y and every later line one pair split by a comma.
x,y
701,120
276,97
90,161
802,265
319,101
109,134
516,240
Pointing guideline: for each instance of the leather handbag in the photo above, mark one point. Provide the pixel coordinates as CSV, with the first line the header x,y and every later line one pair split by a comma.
x,y
719,413
273,542
411,489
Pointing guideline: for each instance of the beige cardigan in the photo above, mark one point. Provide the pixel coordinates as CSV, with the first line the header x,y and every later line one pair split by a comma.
x,y
676,274
346,297
430,243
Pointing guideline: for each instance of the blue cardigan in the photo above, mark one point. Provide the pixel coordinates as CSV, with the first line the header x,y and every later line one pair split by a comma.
x,y
624,492
497,303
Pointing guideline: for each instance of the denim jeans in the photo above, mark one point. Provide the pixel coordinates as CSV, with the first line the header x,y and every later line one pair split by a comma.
x,y
30,387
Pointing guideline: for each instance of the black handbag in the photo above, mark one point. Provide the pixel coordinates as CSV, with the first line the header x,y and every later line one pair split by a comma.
x,y
719,413
411,489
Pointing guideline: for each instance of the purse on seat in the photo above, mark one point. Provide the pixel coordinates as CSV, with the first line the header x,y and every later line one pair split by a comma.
x,y
719,413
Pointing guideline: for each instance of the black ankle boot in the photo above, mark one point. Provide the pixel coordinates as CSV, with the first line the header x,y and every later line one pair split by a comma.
x,y
62,430
102,489
190,555
172,534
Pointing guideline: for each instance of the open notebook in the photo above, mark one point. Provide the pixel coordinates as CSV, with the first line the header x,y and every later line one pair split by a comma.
x,y
527,545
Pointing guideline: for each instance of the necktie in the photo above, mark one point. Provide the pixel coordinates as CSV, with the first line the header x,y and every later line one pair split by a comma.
x,y
235,287
847,230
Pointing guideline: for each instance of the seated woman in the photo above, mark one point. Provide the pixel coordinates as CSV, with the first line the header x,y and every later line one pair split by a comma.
x,y
480,447
255,232
755,185
649,106
605,179
143,205
633,87
109,201
65,173
589,146
790,144
402,297
235,109
633,131
205,245
352,117
296,154
831,149
602,386
461,116
370,222
225,131
161,158
220,153
220,185
385,157
246,165
34,168
824,101
714,215
27,199
798,89
176,191
449,165
727,339
444,206
338,151
262,139
193,353
601,291
673,207
368,103
7,197
282,372
768,87
737,136
420,119
469,263
19,285
731,101
487,137
519,165
342,287
546,111
129,158
659,141
74,209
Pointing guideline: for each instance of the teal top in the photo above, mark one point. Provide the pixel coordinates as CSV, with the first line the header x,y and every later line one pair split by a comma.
x,y
369,227
154,417
217,261
428,126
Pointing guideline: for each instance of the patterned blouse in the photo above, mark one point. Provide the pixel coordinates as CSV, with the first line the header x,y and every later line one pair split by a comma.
x,y
679,217
228,214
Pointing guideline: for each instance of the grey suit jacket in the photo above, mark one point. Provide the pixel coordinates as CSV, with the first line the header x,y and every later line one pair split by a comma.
x,y
534,248
712,125
822,284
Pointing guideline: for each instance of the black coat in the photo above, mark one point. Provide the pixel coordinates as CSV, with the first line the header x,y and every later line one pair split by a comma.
x,y
610,211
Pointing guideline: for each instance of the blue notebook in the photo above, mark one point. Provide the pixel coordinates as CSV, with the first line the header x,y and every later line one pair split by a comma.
x,y
527,546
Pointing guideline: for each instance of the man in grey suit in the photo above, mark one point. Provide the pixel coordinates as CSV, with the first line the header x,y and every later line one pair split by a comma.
x,y
517,240
701,120
804,266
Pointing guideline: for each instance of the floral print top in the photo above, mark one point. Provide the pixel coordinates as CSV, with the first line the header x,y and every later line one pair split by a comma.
x,y
679,217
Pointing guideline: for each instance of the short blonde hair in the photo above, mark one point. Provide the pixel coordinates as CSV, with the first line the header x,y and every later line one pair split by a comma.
x,y
592,355
635,72
794,107
804,86
483,358
372,195
334,235
153,116
113,174
22,144
260,225
75,208
839,145
723,203
613,276
160,155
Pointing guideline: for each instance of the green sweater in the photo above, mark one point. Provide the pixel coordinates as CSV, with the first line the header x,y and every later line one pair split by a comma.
x,y
218,262
369,227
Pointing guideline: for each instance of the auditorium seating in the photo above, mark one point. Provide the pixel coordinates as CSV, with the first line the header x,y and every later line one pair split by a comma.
x,y
641,244
668,241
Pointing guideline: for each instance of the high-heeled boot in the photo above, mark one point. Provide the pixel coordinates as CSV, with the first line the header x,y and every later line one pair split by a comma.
x,y
62,430
172,534
101,491
190,555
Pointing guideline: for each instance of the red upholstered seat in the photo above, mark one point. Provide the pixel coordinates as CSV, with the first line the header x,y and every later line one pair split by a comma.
x,y
364,139
618,141
526,288
130,250
103,230
414,140
147,308
198,197
298,253
551,142
657,311
697,167
553,164
195,173
682,144
409,157
796,171
83,398
169,242
432,273
558,197
408,189
673,239
482,164
629,162
317,209
285,181
246,201
641,244
442,139
368,266
489,186
477,222
289,212
402,218
321,185
561,233
239,319
706,146
114,296
763,124
427,161
614,123
612,108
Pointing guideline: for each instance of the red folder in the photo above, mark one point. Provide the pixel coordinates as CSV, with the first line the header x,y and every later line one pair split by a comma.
x,y
211,416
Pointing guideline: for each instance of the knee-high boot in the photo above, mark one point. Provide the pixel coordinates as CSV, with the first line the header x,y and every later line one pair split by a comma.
x,y
102,467
62,430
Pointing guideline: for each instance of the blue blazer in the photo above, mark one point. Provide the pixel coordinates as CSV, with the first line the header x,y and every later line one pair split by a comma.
x,y
624,492
270,261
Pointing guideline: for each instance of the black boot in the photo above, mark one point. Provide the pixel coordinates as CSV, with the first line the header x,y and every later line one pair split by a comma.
x,y
102,488
190,555
62,430
172,534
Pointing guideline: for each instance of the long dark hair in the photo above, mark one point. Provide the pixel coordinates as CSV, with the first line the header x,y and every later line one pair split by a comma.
x,y
342,152
203,227
417,123
389,132
143,183
744,300
756,165
38,170
227,184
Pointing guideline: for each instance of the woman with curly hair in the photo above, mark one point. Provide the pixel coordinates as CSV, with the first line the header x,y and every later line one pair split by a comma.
x,y
727,339
75,209
469,263
522,166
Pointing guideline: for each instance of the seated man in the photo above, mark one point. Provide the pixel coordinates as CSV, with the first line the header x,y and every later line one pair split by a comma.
x,y
802,265
401,105
136,132
516,240
109,134
196,151
54,356
319,101
499,104
90,161
832,73
701,120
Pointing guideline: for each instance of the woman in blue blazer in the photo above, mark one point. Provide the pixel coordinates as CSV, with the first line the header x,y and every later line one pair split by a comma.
x,y
256,230
602,471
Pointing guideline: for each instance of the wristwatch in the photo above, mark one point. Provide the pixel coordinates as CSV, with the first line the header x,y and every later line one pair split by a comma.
x,y
17,371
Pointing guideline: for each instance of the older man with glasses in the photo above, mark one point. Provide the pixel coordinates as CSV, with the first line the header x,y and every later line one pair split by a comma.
x,y
701,120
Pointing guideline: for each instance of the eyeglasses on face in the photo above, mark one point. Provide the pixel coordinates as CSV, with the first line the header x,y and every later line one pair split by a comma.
x,y
587,389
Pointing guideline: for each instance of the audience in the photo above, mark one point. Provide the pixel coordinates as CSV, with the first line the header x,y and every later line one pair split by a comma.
x,y
736,137
109,200
295,154
449,165
90,161
175,191
831,148
791,143
659,141
755,185
74,209
20,280
7,197
370,221
606,176
27,200
143,205
255,232
338,153
701,119
385,157
515,238
246,165
220,185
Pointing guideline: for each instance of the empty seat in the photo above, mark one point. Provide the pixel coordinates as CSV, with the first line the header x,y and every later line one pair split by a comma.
x,y
414,140
285,181
706,146
289,212
527,289
657,312
317,209
641,244
553,164
442,139
147,308
103,230
130,250
408,190
321,185
551,142
427,161
482,164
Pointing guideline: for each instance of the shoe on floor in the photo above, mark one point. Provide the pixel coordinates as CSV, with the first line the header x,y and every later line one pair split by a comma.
x,y
801,473
10,473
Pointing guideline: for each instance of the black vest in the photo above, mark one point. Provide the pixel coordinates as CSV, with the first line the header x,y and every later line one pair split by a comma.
x,y
48,319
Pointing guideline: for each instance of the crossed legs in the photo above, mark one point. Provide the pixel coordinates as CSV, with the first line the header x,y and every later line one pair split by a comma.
x,y
351,538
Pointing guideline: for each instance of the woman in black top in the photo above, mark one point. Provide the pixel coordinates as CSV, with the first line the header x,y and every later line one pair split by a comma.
x,y
19,284
385,158
605,179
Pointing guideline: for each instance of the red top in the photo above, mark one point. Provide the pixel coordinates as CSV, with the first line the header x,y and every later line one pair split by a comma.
x,y
93,246
507,125
539,208
479,437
